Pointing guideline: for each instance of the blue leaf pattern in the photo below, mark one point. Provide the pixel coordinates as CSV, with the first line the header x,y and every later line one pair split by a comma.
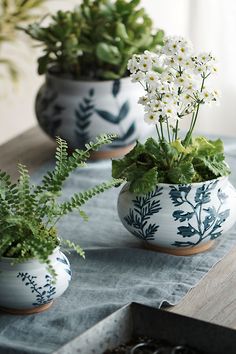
x,y
116,87
144,208
203,222
44,294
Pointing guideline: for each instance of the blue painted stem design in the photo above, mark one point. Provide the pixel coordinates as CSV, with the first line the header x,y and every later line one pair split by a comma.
x,y
44,294
83,116
144,208
202,222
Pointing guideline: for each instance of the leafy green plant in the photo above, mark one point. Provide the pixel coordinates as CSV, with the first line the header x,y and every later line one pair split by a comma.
x,y
96,39
172,95
12,14
29,213
158,162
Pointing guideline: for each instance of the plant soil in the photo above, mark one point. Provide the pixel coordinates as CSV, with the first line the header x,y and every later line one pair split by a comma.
x,y
146,345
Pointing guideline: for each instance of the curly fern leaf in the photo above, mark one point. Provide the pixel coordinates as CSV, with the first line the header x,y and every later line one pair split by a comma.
x,y
61,155
74,246
26,200
77,200
52,181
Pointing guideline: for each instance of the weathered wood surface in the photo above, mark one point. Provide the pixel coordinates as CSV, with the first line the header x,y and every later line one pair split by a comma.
x,y
31,148
213,299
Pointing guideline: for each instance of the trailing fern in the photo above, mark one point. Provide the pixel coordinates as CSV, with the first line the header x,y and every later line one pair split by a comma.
x,y
29,213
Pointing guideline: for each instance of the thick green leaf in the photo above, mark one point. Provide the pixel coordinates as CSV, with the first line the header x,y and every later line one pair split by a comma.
x,y
121,32
108,53
181,174
143,181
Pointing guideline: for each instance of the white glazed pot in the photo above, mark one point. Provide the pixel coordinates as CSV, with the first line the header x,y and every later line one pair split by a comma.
x,y
78,111
180,219
28,287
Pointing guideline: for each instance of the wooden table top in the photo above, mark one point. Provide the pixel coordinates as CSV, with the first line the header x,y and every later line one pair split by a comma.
x,y
213,299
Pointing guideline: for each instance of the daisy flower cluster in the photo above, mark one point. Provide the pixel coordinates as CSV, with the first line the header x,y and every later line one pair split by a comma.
x,y
174,81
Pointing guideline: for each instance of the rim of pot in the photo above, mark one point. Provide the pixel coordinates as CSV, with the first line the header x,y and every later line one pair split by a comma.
x,y
189,184
30,260
69,79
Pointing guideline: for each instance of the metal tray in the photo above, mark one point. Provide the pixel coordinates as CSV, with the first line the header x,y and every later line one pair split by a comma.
x,y
139,320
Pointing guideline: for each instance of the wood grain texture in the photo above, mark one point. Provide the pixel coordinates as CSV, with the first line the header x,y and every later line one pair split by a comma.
x,y
213,299
31,148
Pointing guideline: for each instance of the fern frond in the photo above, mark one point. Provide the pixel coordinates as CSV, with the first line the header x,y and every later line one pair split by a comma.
x,y
52,181
77,200
61,154
26,200
8,193
74,246
28,213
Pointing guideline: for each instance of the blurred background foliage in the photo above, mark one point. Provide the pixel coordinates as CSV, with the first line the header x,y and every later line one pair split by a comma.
x,y
12,14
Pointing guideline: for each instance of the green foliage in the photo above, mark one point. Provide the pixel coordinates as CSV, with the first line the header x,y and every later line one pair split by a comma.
x,y
96,39
152,163
12,14
29,213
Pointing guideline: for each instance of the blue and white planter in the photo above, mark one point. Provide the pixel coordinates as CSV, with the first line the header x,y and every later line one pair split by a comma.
x,y
78,111
180,219
28,287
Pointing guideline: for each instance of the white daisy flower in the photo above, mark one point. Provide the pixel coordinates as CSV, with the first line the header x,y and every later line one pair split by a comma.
x,y
151,118
132,65
137,76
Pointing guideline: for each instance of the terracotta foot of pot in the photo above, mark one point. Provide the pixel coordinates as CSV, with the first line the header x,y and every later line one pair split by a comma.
x,y
188,251
27,311
109,154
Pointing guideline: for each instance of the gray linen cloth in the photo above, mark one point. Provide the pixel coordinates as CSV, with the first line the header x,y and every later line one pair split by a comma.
x,y
116,271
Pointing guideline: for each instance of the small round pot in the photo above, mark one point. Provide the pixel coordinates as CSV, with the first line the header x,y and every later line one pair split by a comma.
x,y
28,288
180,219
79,111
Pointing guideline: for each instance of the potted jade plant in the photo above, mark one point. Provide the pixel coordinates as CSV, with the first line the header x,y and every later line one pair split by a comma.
x,y
177,198
33,269
87,90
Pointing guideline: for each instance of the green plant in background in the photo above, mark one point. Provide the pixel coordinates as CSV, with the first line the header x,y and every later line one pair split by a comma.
x,y
96,39
29,213
12,14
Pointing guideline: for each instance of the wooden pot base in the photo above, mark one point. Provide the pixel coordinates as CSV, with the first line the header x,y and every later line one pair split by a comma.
x,y
37,309
182,251
110,154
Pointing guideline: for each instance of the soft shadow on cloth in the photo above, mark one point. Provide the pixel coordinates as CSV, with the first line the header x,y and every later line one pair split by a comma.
x,y
116,271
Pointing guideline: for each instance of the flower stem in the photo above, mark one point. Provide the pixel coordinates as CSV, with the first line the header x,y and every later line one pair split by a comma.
x,y
194,119
158,133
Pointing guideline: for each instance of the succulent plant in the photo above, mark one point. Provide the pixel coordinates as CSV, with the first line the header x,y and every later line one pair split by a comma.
x,y
96,39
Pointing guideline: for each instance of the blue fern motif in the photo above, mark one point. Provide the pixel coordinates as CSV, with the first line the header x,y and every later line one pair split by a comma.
x,y
144,208
44,294
207,221
83,116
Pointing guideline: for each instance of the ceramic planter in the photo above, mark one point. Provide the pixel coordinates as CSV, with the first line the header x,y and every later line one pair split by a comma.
x,y
28,287
78,111
180,219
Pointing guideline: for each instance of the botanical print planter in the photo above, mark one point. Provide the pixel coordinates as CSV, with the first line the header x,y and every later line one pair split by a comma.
x,y
78,111
28,287
180,219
